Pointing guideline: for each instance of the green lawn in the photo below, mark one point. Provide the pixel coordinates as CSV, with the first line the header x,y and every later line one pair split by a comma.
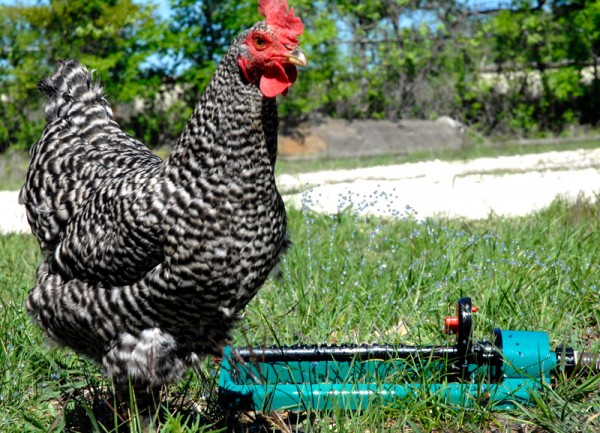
x,y
354,280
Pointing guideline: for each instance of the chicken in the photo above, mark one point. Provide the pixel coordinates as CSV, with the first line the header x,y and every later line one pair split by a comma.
x,y
149,264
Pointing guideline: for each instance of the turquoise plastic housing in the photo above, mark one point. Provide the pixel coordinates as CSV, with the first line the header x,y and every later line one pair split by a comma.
x,y
525,366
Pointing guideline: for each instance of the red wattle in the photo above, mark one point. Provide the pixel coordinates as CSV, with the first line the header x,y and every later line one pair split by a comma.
x,y
276,80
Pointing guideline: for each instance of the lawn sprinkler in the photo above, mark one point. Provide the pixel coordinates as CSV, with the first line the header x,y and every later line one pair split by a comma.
x,y
512,369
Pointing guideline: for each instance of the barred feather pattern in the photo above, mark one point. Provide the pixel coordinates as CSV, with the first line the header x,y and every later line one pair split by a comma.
x,y
150,263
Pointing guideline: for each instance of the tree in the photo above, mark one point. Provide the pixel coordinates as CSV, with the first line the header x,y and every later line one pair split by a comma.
x,y
543,55
524,67
201,32
113,37
402,55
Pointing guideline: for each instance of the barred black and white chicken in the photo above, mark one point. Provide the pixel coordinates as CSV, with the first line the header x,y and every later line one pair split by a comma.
x,y
150,263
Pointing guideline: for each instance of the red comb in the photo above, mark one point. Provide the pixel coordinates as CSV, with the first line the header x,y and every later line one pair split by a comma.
x,y
277,14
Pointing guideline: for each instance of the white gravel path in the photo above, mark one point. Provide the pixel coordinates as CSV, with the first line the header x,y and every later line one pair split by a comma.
x,y
12,215
510,186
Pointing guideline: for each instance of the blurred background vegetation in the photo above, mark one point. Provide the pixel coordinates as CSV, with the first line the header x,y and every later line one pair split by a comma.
x,y
520,68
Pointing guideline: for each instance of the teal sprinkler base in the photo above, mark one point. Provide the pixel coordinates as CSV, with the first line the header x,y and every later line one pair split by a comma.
x,y
511,370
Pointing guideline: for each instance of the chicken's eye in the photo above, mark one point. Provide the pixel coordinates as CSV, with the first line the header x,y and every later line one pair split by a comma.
x,y
260,43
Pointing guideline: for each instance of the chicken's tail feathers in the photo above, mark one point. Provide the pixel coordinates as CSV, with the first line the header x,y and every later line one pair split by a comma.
x,y
70,88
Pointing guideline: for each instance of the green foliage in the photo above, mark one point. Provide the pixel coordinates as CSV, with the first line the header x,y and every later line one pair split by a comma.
x,y
546,60
524,70
201,33
114,38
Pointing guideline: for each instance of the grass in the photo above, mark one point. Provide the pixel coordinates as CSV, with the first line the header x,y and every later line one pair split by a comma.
x,y
352,279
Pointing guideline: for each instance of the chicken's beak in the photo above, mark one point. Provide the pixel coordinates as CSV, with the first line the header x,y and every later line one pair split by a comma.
x,y
297,57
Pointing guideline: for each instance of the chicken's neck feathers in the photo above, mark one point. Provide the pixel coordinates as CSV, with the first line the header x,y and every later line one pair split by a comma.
x,y
233,127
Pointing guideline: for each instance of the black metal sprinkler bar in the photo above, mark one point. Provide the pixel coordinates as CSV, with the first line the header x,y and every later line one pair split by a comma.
x,y
464,352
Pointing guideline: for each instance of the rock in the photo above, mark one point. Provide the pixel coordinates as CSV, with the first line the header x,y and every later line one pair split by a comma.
x,y
336,138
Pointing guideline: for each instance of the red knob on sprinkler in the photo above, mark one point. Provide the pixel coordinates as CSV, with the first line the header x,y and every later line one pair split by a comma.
x,y
451,323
